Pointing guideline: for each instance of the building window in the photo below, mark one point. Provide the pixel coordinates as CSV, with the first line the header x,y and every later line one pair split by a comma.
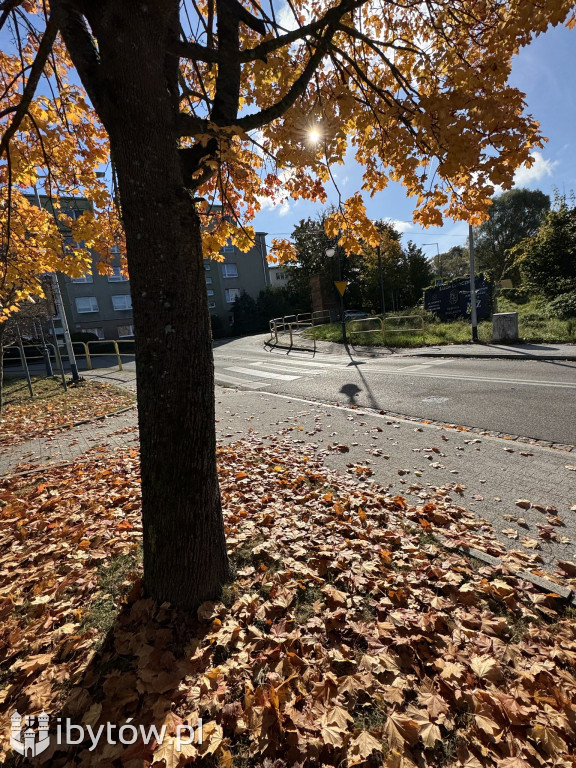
x,y
115,249
208,281
117,276
207,267
211,305
232,294
124,301
228,248
210,293
86,304
125,331
86,278
99,332
229,270
74,213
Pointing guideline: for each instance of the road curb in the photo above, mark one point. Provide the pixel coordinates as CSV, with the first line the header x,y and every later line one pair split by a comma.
x,y
543,584
462,355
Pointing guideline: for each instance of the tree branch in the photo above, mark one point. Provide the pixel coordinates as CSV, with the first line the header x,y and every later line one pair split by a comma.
x,y
6,7
32,82
82,49
265,116
268,46
187,50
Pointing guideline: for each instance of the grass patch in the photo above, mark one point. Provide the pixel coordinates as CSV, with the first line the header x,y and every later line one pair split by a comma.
x,y
24,417
114,582
533,326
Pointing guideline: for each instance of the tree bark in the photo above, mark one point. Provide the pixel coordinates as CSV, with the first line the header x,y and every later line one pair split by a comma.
x,y
185,560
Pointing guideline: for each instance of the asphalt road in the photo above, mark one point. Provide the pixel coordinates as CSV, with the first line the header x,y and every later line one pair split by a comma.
x,y
528,398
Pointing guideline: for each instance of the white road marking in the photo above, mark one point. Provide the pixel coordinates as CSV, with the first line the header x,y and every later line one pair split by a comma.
x,y
289,369
223,378
491,380
264,374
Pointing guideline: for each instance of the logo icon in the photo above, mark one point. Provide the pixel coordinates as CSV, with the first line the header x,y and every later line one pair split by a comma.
x,y
30,746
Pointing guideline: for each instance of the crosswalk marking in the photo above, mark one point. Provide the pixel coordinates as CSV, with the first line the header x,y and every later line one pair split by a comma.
x,y
289,369
222,378
311,364
263,374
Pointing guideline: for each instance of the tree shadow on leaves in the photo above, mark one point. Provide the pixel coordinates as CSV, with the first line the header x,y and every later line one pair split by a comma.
x,y
138,675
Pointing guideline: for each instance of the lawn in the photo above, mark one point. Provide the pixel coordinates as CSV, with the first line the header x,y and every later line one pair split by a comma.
x,y
348,637
52,408
533,325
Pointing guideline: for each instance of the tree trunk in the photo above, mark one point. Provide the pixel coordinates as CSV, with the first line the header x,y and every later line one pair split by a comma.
x,y
185,560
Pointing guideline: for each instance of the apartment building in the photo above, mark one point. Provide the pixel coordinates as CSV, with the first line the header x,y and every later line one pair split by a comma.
x,y
279,276
238,273
102,304
94,303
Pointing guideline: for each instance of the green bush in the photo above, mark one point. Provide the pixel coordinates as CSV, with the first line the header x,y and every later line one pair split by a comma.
x,y
516,295
563,306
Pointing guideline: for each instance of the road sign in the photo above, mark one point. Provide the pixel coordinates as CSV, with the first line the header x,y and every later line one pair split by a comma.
x,y
341,285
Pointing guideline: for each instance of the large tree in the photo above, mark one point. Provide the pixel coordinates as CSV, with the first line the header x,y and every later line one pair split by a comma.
x,y
217,99
513,216
548,259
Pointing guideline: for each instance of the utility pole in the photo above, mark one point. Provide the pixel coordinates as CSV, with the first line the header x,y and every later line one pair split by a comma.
x,y
380,277
59,304
333,252
473,318
45,351
24,361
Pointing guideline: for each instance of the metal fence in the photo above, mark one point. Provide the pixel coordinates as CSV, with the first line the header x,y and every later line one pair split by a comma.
x,y
366,325
117,348
287,327
292,325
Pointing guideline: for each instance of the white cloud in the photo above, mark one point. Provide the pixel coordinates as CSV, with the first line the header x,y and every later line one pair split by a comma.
x,y
268,204
399,225
285,18
540,169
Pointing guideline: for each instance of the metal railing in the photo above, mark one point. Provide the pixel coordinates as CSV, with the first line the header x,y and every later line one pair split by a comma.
x,y
381,327
356,327
81,349
295,324
416,321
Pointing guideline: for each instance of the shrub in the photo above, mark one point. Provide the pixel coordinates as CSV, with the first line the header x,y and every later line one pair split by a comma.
x,y
563,307
516,295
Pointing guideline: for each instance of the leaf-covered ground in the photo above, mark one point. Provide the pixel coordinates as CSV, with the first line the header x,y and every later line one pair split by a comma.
x,y
349,637
52,409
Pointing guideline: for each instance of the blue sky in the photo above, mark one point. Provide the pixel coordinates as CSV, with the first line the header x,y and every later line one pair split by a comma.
x,y
543,72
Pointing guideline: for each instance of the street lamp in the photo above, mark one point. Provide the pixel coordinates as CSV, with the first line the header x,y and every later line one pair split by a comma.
x,y
331,252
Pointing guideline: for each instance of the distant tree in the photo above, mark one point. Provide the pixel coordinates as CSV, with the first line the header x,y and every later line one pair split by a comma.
x,y
311,243
513,216
391,258
548,258
246,316
419,274
455,262
284,300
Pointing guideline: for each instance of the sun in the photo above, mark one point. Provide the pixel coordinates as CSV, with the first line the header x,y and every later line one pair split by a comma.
x,y
314,135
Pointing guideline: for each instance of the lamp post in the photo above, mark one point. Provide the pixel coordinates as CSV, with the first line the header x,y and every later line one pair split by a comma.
x,y
53,277
473,317
381,280
331,252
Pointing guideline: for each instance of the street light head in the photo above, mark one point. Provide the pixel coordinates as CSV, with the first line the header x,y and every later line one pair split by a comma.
x,y
330,252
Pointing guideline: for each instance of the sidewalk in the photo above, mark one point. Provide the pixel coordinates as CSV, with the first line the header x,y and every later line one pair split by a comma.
x,y
480,350
486,475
